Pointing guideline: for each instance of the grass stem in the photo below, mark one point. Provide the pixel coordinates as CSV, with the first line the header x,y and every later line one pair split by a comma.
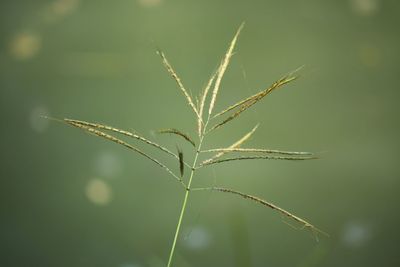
x,y
185,200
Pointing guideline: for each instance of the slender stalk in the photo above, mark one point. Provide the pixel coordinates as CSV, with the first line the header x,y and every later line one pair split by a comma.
x,y
183,209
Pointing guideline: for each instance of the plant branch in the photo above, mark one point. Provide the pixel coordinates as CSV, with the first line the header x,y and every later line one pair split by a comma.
x,y
183,209
129,146
253,158
263,202
257,150
123,132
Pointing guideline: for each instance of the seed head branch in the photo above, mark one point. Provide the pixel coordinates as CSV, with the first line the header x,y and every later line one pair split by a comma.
x,y
254,158
123,143
203,97
257,150
178,81
263,202
123,132
235,145
249,102
222,69
179,133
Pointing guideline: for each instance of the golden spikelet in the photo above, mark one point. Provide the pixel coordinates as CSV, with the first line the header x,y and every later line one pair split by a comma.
x,y
203,101
215,161
179,133
178,81
235,145
250,101
286,213
244,101
123,132
222,69
258,150
123,143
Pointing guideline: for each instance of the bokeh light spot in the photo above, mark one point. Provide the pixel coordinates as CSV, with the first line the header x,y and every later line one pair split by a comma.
x,y
25,45
365,7
59,9
98,192
198,238
64,7
37,121
150,3
107,165
356,234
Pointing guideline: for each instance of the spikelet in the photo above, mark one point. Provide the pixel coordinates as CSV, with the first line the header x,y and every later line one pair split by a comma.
x,y
120,142
181,165
250,101
235,145
286,213
179,133
203,101
123,132
258,150
178,81
222,69
244,101
215,161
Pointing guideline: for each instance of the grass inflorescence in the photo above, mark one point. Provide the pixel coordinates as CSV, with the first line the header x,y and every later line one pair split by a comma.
x,y
205,117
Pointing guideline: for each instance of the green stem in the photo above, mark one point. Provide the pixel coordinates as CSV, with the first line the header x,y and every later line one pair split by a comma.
x,y
171,254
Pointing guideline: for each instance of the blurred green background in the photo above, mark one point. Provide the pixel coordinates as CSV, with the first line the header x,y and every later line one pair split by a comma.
x,y
70,199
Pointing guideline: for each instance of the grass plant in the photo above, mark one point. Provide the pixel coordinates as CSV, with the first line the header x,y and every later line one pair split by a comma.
x,y
207,121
